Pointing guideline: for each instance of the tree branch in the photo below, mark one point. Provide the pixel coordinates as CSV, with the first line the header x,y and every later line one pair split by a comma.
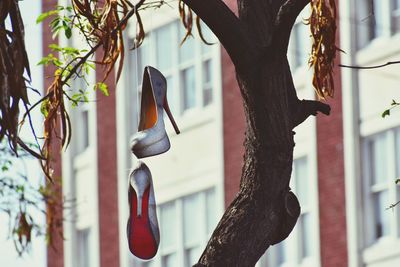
x,y
307,108
226,26
370,67
286,17
289,11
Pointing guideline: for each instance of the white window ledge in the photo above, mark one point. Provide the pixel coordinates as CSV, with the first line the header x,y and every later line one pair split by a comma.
x,y
379,49
84,159
193,118
383,250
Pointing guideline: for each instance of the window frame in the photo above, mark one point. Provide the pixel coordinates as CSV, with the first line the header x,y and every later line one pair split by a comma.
x,y
377,248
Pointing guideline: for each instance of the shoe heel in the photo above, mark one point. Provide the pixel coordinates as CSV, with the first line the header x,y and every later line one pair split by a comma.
x,y
168,111
142,198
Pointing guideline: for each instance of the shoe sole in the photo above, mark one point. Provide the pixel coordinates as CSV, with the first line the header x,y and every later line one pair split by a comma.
x,y
140,236
157,148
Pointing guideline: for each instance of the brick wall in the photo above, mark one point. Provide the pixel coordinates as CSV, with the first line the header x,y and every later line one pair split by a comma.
x,y
331,186
233,124
107,174
55,252
233,128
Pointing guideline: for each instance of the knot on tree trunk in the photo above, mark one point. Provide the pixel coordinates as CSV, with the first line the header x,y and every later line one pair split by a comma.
x,y
288,208
306,108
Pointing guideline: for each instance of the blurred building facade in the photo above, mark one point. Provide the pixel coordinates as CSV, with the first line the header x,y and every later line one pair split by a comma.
x,y
343,173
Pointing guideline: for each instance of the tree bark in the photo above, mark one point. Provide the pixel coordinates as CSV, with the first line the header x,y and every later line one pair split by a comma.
x,y
264,211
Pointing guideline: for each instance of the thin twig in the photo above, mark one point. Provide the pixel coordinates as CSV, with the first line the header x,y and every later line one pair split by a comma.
x,y
369,67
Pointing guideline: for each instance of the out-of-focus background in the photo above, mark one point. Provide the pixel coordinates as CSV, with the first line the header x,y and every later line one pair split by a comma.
x,y
344,170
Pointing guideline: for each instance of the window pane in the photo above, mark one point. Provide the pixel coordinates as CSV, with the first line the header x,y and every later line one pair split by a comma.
x,y
397,202
207,83
146,264
212,218
301,180
142,54
169,260
83,248
299,47
378,159
281,253
381,203
168,225
192,255
395,16
398,153
189,88
172,94
209,37
81,118
376,19
192,219
164,46
82,124
187,49
306,234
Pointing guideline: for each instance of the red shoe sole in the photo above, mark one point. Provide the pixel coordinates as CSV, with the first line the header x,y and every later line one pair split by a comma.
x,y
140,236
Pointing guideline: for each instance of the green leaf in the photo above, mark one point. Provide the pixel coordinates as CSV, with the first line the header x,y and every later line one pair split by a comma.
x,y
394,103
398,181
44,61
67,30
55,47
45,15
44,108
68,33
70,50
386,113
103,88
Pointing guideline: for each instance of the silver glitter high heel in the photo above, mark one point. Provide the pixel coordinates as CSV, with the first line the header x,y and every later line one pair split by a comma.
x,y
142,229
151,138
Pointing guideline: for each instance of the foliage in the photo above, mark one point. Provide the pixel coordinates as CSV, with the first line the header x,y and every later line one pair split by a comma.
x,y
323,32
13,64
21,200
393,105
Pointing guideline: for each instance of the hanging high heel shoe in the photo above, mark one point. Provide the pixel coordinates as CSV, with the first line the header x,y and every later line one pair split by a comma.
x,y
151,138
142,229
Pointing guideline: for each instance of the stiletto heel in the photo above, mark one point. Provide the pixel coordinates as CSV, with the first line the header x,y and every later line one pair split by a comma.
x,y
171,118
142,228
151,138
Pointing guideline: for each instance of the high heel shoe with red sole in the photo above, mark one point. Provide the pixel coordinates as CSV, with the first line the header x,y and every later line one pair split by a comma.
x,y
151,138
142,229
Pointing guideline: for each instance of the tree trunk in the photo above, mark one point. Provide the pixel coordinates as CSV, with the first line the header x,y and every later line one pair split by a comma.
x,y
264,211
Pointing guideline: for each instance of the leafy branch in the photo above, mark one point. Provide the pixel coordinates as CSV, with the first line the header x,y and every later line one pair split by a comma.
x,y
393,105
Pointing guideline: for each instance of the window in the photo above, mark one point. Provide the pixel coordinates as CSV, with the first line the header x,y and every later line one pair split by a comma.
x,y
302,185
376,19
395,8
185,226
188,67
381,160
81,119
298,249
299,45
83,248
